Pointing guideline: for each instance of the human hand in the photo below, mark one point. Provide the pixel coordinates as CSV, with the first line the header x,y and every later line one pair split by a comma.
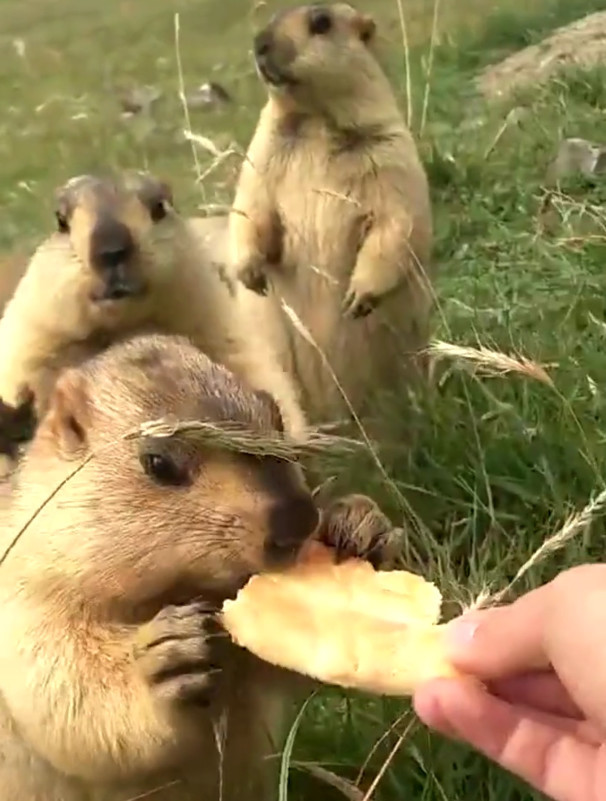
x,y
542,711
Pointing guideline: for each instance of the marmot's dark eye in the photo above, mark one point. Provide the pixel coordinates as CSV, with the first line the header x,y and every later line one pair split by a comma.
x,y
320,21
157,210
163,470
62,223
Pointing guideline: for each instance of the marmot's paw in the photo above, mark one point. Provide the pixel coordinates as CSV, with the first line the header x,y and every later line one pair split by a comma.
x,y
16,425
356,527
359,304
177,653
254,278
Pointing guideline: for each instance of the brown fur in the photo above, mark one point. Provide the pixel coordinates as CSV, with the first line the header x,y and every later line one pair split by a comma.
x,y
65,308
332,212
114,679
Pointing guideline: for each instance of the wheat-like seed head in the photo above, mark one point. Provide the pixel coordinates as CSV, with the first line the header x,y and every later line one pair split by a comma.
x,y
491,361
235,437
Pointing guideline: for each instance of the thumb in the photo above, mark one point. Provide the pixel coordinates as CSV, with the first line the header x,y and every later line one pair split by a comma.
x,y
502,641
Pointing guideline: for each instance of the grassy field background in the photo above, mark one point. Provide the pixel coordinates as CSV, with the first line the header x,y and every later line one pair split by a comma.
x,y
498,463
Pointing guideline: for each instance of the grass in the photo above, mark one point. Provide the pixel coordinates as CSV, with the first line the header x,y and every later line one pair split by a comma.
x,y
498,461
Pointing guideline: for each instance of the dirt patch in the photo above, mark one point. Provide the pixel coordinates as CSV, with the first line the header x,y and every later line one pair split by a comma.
x,y
583,43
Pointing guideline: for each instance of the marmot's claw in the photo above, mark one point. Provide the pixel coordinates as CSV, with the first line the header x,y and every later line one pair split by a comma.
x,y
359,305
357,528
254,279
177,654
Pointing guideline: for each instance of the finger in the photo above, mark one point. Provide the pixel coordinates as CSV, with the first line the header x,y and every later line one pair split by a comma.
x,y
576,726
553,761
574,637
580,729
544,626
543,691
502,641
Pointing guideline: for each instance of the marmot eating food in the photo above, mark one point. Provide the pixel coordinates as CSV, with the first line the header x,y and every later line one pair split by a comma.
x,y
124,261
114,679
332,212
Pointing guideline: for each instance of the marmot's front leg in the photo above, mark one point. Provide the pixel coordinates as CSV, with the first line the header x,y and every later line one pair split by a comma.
x,y
121,708
177,654
255,237
356,527
384,261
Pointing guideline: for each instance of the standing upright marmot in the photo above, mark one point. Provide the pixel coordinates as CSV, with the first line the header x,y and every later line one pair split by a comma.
x,y
124,261
115,682
12,267
332,211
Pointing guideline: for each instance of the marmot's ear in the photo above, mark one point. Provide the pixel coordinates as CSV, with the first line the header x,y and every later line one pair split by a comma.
x,y
67,418
276,416
365,26
66,197
62,208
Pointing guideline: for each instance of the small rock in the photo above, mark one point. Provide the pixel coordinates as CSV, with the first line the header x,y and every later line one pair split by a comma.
x,y
137,100
577,155
208,94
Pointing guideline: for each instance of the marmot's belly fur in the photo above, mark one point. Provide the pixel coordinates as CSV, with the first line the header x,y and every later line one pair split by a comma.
x,y
320,243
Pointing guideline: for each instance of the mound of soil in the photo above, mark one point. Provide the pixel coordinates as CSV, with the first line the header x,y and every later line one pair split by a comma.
x,y
583,43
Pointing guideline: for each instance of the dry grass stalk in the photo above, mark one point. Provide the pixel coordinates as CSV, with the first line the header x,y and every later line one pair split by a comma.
x,y
574,526
338,196
303,331
348,789
599,324
375,783
512,118
404,30
432,44
226,435
182,94
490,361
581,241
393,726
568,206
344,786
204,142
235,437
323,274
152,793
220,156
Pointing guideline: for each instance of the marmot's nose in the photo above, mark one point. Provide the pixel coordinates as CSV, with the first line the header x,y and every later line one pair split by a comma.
x,y
111,244
291,522
262,43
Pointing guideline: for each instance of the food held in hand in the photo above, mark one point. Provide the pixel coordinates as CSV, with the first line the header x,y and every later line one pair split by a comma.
x,y
344,624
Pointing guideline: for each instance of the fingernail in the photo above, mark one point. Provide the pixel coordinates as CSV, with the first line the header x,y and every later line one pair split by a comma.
x,y
460,634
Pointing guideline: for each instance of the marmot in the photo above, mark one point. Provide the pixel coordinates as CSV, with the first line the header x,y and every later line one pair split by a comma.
x,y
124,261
114,680
15,425
332,211
12,267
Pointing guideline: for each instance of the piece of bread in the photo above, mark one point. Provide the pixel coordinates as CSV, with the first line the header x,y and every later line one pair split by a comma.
x,y
344,624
